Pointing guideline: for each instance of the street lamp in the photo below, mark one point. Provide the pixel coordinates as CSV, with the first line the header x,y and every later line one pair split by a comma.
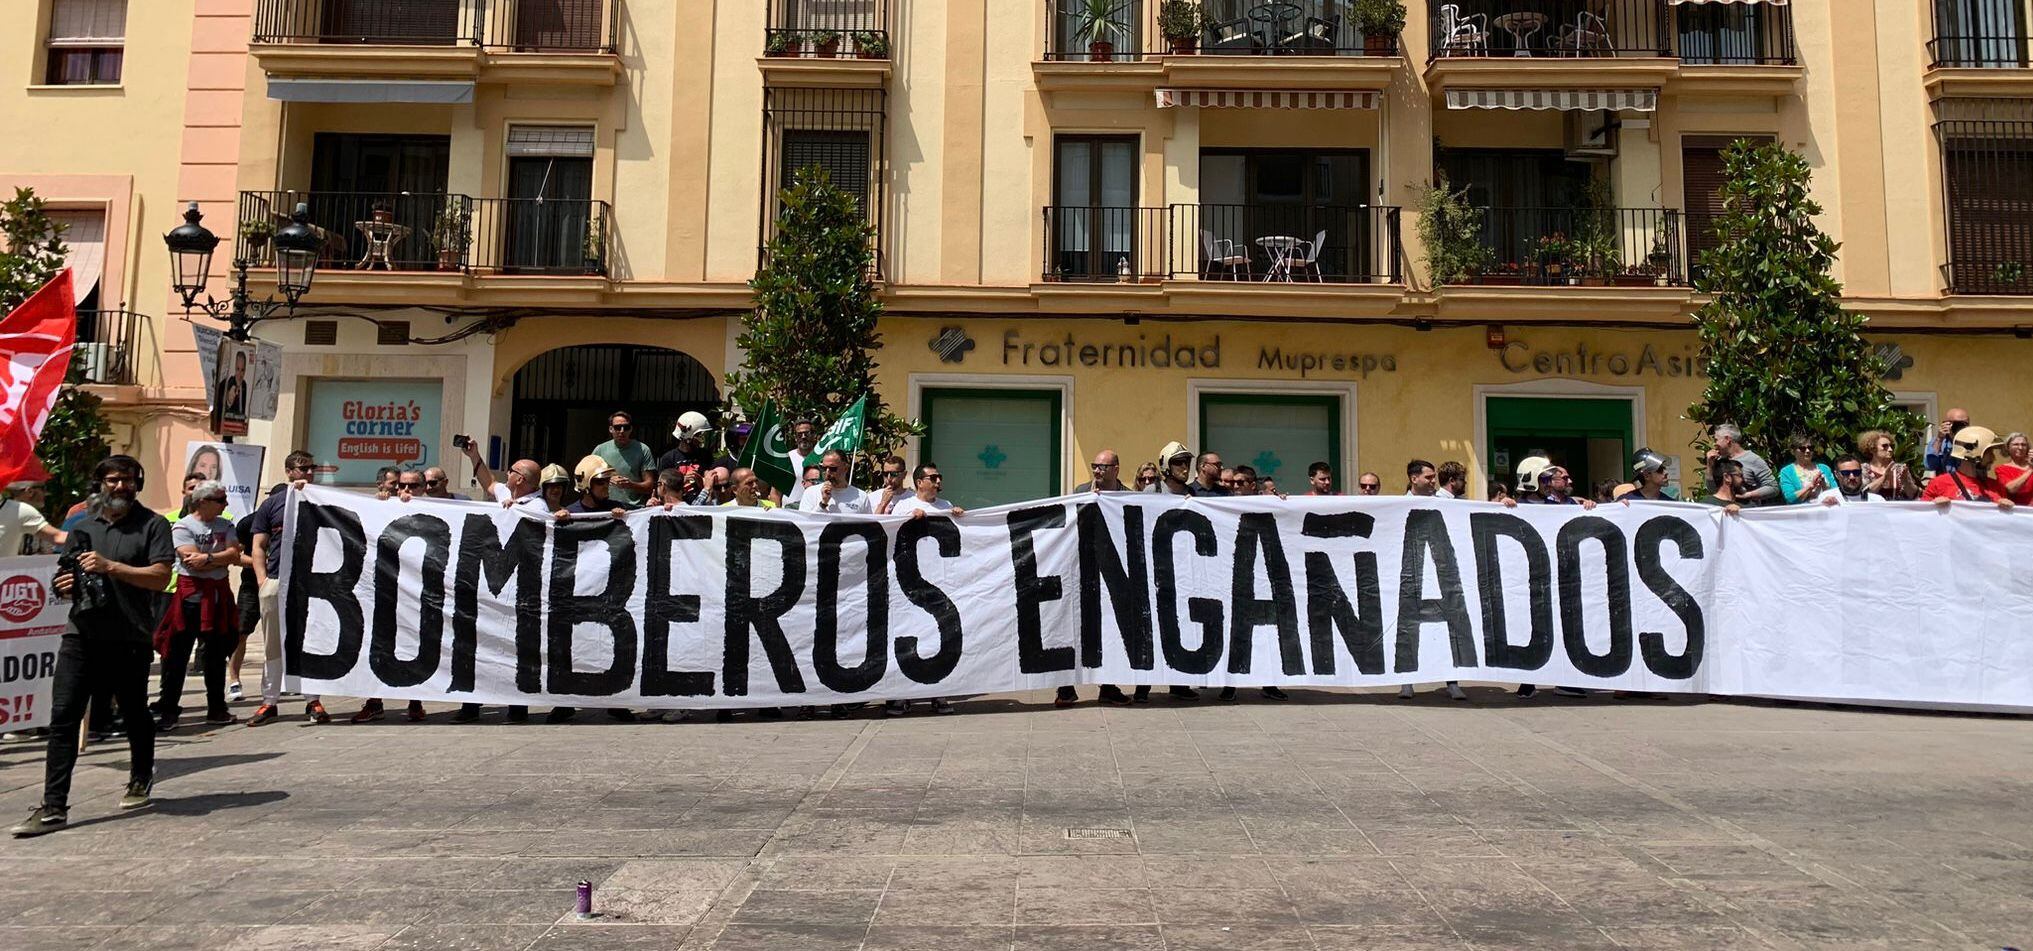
x,y
296,262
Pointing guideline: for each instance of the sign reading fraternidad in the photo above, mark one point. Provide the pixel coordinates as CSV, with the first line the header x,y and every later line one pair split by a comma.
x,y
728,607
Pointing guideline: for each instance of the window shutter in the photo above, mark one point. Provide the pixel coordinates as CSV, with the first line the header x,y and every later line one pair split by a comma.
x,y
842,153
88,23
550,140
1701,178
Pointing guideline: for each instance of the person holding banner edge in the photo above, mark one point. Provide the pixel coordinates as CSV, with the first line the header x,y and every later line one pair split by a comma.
x,y
267,532
924,501
116,562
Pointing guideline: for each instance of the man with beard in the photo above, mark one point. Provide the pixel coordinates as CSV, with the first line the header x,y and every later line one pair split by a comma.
x,y
122,554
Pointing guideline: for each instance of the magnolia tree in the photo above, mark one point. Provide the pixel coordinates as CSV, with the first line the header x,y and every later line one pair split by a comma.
x,y
74,437
1783,355
810,343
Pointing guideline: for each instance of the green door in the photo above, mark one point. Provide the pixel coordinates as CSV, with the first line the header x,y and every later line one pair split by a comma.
x,y
993,446
1591,438
1277,435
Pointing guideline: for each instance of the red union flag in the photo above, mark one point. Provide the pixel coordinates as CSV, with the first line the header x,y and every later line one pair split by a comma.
x,y
35,352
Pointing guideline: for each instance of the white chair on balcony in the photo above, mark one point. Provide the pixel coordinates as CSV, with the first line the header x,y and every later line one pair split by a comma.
x,y
1306,257
1222,253
1588,35
1463,35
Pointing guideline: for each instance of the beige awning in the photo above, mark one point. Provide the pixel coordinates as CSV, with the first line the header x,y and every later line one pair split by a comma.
x,y
1265,99
1570,100
1776,3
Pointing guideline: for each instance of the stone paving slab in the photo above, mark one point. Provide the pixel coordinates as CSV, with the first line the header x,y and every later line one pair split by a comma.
x,y
1339,820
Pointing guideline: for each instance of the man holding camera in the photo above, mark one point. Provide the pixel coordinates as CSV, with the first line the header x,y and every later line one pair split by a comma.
x,y
116,561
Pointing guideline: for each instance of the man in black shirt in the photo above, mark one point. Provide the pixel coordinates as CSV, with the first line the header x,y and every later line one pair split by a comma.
x,y
122,555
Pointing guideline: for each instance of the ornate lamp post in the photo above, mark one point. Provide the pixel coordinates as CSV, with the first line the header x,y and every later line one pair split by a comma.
x,y
296,262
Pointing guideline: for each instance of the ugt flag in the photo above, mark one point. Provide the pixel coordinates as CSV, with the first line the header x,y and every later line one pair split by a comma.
x,y
845,433
768,450
36,340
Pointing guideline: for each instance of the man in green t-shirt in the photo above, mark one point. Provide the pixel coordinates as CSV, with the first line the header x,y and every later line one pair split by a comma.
x,y
634,465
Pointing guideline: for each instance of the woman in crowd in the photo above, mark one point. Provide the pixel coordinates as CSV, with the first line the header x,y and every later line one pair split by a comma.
x,y
2015,471
1805,479
203,614
1147,476
1884,474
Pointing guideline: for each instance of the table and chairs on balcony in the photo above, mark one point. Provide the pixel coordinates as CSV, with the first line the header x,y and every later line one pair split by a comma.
x,y
1552,28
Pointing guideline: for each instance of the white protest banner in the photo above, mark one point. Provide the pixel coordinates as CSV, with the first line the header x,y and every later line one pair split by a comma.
x,y
714,607
237,465
31,626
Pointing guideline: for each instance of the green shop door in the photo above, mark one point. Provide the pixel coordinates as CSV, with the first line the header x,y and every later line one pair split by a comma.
x,y
993,446
1277,435
1592,438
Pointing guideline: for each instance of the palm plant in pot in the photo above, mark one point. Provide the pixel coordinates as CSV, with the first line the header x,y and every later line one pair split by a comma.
x,y
1180,22
1380,22
1099,23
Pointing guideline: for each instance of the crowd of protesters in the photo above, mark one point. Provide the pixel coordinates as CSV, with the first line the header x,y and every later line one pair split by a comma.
x,y
145,585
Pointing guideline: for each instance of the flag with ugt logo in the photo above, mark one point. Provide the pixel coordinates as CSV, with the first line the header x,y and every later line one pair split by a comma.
x,y
36,340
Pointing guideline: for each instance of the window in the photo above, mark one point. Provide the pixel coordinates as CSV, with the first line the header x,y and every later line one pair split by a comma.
x,y
993,445
1701,179
1987,169
1277,435
838,130
1591,438
1095,218
87,39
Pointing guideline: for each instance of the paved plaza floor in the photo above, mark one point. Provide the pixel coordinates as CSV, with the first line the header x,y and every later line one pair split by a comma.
x,y
1337,820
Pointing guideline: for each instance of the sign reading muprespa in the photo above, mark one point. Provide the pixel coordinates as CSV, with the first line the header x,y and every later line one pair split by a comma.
x,y
718,607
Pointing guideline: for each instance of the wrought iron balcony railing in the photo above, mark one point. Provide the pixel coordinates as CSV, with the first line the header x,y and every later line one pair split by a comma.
x,y
1125,30
1633,247
828,28
411,232
1719,34
1271,244
107,346
515,25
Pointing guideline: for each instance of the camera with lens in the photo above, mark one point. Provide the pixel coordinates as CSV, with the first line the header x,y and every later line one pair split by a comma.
x,y
89,592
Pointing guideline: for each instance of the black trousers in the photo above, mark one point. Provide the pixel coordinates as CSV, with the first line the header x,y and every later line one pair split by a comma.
x,y
82,666
214,649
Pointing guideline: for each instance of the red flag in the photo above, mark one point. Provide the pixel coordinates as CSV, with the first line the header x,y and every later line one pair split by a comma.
x,y
35,352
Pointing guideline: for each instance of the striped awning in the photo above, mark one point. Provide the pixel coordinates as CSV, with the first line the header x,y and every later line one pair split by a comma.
x,y
1264,99
1675,3
1583,100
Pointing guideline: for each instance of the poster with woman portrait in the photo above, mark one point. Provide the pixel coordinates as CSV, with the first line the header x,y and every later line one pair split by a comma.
x,y
237,465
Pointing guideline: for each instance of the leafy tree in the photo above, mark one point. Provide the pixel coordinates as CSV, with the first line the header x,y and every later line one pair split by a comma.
x,y
1451,230
810,344
1783,355
73,439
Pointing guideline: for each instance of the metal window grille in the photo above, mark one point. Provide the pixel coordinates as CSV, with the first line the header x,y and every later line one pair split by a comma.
x,y
1981,34
1987,177
813,27
843,131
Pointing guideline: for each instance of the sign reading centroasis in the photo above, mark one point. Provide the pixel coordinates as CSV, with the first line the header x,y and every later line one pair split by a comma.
x,y
719,607
1518,356
1163,351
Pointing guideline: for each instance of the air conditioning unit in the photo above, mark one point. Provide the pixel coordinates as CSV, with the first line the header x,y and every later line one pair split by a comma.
x,y
1591,135
99,362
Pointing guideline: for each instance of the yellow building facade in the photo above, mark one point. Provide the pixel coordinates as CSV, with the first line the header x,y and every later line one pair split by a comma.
x,y
1094,235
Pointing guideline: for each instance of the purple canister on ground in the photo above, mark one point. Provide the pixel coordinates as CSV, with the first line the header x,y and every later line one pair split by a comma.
x,y
585,900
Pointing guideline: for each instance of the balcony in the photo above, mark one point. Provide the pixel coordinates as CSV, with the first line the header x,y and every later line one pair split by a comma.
x,y
1980,48
1104,45
1275,246
107,347
1731,48
1578,247
444,234
301,42
841,42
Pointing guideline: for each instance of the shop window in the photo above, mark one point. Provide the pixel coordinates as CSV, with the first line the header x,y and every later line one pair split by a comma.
x,y
1591,438
87,41
993,445
1277,435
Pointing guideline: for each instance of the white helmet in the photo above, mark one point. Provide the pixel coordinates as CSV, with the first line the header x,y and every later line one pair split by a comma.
x,y
1529,472
691,425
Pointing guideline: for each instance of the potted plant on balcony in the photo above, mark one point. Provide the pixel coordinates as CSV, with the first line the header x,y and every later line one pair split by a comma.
x,y
1451,230
1097,25
1553,252
781,43
1599,254
1380,22
871,44
826,43
1180,22
254,235
594,251
1659,259
2008,274
452,232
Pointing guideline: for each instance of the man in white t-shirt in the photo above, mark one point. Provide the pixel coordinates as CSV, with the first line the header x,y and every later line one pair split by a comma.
x,y
804,438
21,523
833,494
523,489
925,502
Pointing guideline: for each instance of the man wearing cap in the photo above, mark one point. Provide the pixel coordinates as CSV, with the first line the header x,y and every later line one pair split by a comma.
x,y
1972,450
634,465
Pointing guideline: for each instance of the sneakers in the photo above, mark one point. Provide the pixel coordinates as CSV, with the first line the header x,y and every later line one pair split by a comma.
x,y
316,711
1273,693
221,718
415,713
165,725
1570,691
1527,691
137,794
518,714
1405,692
561,714
468,712
42,821
942,705
895,708
369,712
234,693
1112,694
1185,694
263,714
1067,697
1454,690
1228,693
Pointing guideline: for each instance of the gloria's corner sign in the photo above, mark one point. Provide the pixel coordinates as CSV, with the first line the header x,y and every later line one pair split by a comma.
x,y
1155,351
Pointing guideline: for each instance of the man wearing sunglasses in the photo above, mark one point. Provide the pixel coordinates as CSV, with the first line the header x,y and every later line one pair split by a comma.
x,y
893,490
1369,484
833,494
437,484
1849,484
634,465
1107,470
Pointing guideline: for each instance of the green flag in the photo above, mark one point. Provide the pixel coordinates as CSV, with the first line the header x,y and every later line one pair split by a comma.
x,y
845,433
768,450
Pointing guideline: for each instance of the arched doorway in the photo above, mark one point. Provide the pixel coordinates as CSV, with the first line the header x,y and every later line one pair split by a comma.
x,y
562,398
